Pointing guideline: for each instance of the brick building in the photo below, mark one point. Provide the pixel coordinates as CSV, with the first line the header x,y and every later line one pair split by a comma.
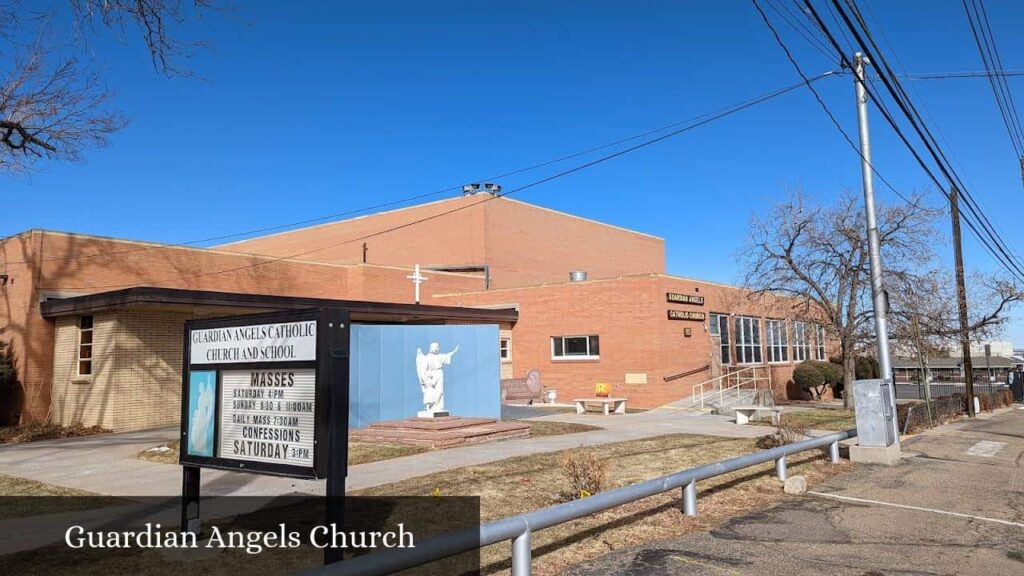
x,y
650,335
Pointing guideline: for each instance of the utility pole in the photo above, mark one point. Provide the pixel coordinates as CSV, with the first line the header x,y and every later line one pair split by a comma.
x,y
961,300
988,370
878,296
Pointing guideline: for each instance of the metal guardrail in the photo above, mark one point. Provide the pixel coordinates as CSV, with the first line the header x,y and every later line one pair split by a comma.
x,y
519,529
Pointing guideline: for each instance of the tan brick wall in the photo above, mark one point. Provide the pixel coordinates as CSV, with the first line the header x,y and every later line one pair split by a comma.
x,y
87,400
146,376
506,366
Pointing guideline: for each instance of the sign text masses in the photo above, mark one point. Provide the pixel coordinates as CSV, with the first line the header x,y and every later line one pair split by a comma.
x,y
268,416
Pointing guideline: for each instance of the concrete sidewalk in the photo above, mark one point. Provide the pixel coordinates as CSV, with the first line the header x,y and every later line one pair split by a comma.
x,y
104,464
955,505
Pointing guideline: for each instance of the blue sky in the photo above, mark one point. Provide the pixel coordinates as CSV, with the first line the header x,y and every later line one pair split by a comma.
x,y
312,108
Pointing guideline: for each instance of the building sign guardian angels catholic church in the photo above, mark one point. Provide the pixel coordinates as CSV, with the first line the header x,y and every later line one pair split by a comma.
x,y
251,397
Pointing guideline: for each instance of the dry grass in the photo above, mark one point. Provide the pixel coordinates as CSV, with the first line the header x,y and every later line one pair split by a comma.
x,y
70,499
518,485
365,452
522,484
358,452
816,419
33,432
552,428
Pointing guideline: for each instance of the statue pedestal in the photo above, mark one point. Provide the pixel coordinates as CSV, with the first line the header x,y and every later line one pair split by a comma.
x,y
432,414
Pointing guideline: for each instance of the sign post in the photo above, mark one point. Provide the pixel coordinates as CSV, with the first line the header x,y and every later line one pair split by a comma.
x,y
266,394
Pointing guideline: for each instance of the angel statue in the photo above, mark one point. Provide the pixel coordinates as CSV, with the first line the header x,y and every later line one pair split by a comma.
x,y
431,375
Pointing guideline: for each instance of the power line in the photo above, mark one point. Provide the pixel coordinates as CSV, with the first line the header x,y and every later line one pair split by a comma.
x,y
783,10
963,74
981,29
996,247
401,201
918,123
821,102
703,119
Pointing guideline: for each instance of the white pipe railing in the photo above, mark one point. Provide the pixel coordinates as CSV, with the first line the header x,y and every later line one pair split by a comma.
x,y
700,393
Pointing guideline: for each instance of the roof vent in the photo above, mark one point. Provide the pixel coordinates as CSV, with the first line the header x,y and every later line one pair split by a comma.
x,y
577,276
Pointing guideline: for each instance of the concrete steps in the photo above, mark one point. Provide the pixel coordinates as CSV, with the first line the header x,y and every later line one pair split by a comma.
x,y
444,432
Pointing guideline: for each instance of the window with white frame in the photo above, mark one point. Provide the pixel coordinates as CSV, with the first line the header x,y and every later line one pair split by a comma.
x,y
778,350
819,349
748,340
801,342
85,345
505,349
575,347
718,326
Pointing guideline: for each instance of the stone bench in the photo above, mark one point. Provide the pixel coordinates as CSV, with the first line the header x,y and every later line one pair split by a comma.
x,y
745,413
618,404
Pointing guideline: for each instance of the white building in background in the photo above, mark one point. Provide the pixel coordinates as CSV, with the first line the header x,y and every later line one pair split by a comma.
x,y
998,348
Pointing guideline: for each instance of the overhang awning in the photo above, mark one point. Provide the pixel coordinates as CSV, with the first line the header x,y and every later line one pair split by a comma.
x,y
175,298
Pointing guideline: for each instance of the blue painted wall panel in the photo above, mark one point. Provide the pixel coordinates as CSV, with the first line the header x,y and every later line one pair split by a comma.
x,y
382,371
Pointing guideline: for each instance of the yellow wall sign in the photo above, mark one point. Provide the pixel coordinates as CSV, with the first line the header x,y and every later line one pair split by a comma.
x,y
602,389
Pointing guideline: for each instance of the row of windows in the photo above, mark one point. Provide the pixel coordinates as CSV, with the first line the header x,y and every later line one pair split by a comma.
x,y
807,339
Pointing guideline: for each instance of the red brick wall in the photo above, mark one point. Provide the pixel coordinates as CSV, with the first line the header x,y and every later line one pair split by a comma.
x,y
523,244
529,245
630,314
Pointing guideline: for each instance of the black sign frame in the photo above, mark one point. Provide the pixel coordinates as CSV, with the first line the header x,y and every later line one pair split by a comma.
x,y
331,377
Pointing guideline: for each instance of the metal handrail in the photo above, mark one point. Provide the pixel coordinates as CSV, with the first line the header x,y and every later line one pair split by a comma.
x,y
685,374
519,528
699,388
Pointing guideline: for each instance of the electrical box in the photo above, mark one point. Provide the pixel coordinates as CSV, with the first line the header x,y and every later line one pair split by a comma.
x,y
875,413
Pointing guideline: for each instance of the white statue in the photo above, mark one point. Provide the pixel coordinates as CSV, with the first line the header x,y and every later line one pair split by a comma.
x,y
429,369
202,422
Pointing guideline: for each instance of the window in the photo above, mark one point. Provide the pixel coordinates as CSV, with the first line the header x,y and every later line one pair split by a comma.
x,y
778,351
801,344
505,349
85,345
819,350
575,348
718,325
748,340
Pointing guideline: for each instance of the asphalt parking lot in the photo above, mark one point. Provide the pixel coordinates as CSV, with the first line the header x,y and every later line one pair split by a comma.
x,y
955,505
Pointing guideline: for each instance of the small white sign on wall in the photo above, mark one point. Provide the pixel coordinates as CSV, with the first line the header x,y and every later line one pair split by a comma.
x,y
282,342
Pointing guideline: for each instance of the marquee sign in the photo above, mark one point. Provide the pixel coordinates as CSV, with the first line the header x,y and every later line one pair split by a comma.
x,y
678,298
685,315
255,394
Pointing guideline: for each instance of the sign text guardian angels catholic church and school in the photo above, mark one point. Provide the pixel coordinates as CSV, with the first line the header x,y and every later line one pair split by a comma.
x,y
252,395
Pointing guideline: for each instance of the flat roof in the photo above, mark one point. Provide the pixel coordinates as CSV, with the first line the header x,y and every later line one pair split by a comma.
x,y
978,362
360,310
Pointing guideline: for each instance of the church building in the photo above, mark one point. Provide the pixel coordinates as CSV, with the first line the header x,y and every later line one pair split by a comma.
x,y
96,323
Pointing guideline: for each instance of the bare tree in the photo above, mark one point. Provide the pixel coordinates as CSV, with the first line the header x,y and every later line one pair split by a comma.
x,y
925,319
53,103
818,257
